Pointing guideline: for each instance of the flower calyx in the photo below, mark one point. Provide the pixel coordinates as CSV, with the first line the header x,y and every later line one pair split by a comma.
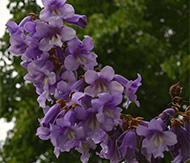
x,y
129,122
62,103
176,123
186,116
34,16
175,90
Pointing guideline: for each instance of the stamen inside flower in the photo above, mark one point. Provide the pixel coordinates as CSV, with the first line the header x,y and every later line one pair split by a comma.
x,y
158,140
71,134
81,59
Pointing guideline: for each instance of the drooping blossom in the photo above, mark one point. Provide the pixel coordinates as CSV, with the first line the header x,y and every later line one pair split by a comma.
x,y
64,11
84,147
56,8
65,135
167,114
102,81
127,145
44,131
109,146
186,120
18,38
181,150
156,140
50,115
130,88
108,113
63,90
53,33
43,78
79,54
79,20
86,112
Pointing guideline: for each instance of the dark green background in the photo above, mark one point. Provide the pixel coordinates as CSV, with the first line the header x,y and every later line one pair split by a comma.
x,y
134,36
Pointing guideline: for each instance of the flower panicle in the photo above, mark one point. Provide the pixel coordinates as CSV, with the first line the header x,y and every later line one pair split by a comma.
x,y
85,101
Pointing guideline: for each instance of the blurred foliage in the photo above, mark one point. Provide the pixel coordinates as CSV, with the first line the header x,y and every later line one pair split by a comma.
x,y
134,36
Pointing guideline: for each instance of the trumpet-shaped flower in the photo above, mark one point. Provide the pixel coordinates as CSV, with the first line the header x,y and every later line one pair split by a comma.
x,y
101,82
156,140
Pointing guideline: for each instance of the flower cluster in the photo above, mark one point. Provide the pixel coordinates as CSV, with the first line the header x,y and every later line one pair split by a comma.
x,y
86,108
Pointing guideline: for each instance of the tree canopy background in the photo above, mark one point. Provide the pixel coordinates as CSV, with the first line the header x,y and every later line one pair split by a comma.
x,y
134,36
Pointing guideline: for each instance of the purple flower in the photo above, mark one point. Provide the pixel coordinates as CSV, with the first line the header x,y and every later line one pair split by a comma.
x,y
65,81
100,137
186,120
41,75
65,134
50,115
82,103
18,40
53,34
30,27
81,99
90,123
167,114
69,77
108,114
101,82
32,52
24,21
94,114
85,114
43,78
56,8
82,117
44,133
110,146
80,55
181,150
66,12
84,147
180,158
15,29
34,55
63,90
156,140
79,20
127,145
18,44
130,88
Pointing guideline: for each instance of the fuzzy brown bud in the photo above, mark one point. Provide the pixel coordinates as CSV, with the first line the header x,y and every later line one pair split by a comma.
x,y
175,90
